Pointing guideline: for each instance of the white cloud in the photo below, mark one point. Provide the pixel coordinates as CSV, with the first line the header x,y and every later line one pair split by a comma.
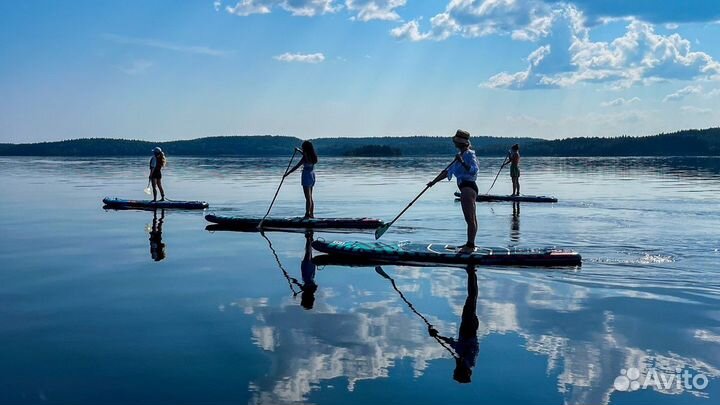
x,y
247,7
304,8
672,26
154,43
410,31
682,93
695,110
526,20
136,67
375,9
713,93
618,102
310,8
300,57
638,56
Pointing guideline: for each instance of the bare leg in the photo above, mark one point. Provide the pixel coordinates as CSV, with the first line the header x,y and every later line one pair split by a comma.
x,y
154,185
516,186
312,203
309,204
468,197
162,192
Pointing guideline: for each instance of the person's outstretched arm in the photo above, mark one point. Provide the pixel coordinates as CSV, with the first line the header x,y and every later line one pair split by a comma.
x,y
297,166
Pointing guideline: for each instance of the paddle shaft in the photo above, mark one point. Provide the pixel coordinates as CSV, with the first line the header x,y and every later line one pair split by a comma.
x,y
415,199
278,189
497,175
380,271
290,280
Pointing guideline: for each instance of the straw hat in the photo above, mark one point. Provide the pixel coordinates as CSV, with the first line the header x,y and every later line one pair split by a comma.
x,y
462,137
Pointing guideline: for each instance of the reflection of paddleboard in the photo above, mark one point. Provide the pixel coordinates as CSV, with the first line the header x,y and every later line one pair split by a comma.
x,y
296,222
520,198
447,254
149,204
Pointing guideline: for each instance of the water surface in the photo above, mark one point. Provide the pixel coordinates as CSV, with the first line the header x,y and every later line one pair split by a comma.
x,y
149,308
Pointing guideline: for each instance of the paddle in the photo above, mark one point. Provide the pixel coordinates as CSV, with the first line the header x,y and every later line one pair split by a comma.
x,y
290,280
147,189
498,174
259,227
379,232
433,332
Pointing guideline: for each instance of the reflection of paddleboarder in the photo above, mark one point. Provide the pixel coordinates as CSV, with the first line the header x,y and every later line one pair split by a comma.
x,y
466,346
157,247
307,268
515,224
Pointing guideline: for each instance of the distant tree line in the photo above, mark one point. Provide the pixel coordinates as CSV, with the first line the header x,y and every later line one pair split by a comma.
x,y
374,151
694,142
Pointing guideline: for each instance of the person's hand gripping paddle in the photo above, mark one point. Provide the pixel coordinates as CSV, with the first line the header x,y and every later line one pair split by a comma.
x,y
379,232
259,227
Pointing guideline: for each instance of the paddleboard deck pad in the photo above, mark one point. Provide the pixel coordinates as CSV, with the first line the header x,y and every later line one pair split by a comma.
x,y
295,222
118,203
519,198
414,253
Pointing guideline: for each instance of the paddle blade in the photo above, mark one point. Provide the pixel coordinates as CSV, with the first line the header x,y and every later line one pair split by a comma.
x,y
380,231
379,270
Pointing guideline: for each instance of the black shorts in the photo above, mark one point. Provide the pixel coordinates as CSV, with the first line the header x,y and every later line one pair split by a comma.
x,y
470,184
156,175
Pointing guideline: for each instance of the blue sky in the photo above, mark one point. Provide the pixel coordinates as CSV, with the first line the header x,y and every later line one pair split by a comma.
x,y
161,70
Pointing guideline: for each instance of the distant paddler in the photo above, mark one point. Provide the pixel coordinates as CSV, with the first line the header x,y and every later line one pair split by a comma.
x,y
157,162
513,159
308,162
464,169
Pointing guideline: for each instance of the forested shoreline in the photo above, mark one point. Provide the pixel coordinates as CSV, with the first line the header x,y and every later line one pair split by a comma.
x,y
693,142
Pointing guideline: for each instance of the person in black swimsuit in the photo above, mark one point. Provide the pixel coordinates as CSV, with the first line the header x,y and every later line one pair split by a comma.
x,y
157,162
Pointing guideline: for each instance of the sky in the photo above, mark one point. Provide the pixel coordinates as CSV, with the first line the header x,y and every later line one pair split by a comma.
x,y
166,69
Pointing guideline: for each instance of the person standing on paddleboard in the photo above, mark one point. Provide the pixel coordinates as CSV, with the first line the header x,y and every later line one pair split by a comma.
x,y
308,162
464,169
514,160
157,162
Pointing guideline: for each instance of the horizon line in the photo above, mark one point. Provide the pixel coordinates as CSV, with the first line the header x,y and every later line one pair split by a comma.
x,y
355,137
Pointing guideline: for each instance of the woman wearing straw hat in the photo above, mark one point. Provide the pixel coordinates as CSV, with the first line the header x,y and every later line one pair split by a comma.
x,y
464,169
157,162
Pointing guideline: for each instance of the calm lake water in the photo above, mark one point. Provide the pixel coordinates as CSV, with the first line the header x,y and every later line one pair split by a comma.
x,y
119,307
